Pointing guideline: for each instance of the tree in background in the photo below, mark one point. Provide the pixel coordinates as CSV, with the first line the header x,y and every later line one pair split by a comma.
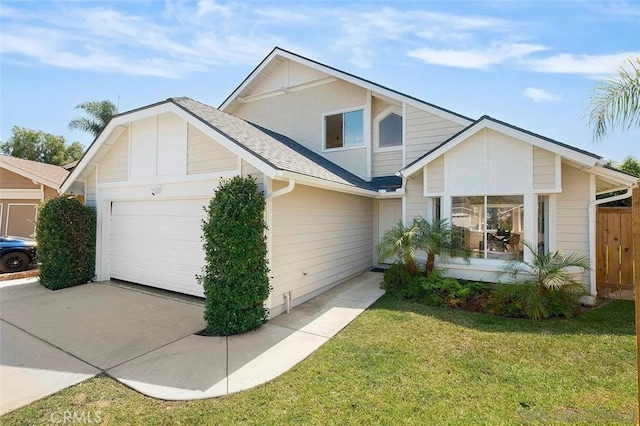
x,y
630,165
36,145
98,114
616,101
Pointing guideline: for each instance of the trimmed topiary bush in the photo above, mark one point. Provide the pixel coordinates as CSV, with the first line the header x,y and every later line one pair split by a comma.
x,y
66,235
235,278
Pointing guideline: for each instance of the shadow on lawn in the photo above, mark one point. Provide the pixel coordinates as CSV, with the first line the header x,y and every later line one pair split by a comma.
x,y
612,317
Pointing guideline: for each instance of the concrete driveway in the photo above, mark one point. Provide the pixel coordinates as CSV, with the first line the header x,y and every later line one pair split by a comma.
x,y
54,339
50,340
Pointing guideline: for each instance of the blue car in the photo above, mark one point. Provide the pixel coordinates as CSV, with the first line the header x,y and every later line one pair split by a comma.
x,y
17,253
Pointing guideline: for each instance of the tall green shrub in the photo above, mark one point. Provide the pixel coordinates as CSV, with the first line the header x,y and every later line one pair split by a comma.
x,y
235,278
66,235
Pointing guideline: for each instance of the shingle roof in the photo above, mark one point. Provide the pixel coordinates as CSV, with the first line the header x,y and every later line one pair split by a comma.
x,y
45,173
278,151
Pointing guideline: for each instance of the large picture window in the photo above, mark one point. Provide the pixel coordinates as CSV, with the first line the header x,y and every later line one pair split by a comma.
x,y
344,130
492,225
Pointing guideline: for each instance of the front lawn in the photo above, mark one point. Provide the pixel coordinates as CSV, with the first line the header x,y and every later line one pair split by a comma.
x,y
406,363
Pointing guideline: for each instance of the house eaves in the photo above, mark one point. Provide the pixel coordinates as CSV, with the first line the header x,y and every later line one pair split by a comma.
x,y
580,156
343,75
270,152
44,174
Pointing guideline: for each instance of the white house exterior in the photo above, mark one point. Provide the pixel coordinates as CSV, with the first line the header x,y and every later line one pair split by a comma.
x,y
340,160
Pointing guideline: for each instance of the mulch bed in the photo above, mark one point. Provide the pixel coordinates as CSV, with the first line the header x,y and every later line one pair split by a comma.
x,y
18,275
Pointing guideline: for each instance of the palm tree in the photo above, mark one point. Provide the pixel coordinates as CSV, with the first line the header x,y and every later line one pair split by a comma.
x,y
98,115
616,101
437,238
544,274
400,242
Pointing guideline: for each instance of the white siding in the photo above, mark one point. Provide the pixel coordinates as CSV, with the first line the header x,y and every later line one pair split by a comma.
x,y
114,166
299,115
435,176
489,162
319,238
572,211
90,185
544,169
206,155
386,163
249,170
144,136
172,145
416,203
425,131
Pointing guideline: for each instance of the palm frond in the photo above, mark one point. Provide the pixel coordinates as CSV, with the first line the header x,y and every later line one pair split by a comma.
x,y
616,101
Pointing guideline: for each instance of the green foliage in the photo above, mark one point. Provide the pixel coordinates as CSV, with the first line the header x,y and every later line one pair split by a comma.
x,y
548,289
397,279
98,115
66,235
435,238
447,291
400,242
630,165
235,278
616,101
36,145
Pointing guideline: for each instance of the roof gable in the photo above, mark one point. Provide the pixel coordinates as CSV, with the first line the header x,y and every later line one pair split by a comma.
x,y
269,151
43,173
485,122
277,55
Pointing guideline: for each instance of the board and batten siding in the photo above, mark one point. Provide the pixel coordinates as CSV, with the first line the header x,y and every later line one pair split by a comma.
x,y
90,188
544,169
114,166
205,155
319,238
425,131
572,216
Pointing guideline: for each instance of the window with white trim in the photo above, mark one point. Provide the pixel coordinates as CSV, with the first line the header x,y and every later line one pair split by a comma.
x,y
344,130
493,226
388,129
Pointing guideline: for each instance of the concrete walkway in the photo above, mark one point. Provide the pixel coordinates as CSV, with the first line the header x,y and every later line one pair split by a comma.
x,y
52,340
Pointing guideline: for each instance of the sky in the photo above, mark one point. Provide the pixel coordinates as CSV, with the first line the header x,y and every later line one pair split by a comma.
x,y
531,64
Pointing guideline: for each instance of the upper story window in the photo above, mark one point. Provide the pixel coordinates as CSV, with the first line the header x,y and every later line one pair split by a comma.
x,y
344,130
388,129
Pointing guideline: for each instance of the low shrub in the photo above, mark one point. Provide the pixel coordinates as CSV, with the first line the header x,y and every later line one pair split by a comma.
x,y
536,302
447,291
397,279
66,235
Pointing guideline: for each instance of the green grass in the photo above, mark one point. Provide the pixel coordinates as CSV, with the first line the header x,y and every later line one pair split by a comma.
x,y
406,363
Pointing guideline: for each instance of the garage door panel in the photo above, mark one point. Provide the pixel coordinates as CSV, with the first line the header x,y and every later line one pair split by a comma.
x,y
158,243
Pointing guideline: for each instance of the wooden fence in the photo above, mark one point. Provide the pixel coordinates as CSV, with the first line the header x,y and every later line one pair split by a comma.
x,y
614,252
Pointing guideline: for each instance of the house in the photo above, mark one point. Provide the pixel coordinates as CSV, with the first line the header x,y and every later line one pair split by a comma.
x,y
24,184
340,160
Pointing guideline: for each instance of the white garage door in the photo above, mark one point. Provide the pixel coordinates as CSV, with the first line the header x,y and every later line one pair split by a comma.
x,y
158,243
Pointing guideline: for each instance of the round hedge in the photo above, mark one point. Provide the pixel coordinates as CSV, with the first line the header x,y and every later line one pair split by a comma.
x,y
235,278
66,235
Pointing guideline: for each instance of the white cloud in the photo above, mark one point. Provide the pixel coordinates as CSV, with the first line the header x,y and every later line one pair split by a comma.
x,y
540,95
565,63
475,58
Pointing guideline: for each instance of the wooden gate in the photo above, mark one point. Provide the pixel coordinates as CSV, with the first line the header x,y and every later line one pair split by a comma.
x,y
614,252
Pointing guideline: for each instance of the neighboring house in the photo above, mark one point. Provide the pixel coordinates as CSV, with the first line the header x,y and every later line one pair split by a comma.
x,y
341,160
24,184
